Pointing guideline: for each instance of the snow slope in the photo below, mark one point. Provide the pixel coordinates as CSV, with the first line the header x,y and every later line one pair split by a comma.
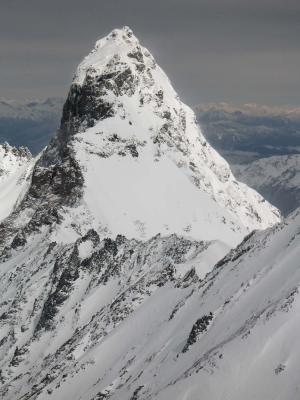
x,y
15,169
276,178
105,319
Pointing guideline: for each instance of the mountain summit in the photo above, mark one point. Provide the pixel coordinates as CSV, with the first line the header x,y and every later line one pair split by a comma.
x,y
140,161
130,159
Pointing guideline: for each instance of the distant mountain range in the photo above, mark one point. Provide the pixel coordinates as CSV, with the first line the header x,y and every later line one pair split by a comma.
x,y
262,145
277,178
29,123
249,132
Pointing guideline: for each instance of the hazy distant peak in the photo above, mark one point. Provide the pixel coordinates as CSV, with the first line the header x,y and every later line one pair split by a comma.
x,y
249,109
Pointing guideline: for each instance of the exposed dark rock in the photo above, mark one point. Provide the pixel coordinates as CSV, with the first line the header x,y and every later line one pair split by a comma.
x,y
132,149
135,395
236,253
65,273
85,105
137,54
199,327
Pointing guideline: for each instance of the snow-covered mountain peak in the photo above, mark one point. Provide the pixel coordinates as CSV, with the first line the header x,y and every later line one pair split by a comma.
x,y
117,46
130,133
130,159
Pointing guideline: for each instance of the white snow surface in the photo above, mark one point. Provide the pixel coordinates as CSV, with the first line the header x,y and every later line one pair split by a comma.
x,y
177,183
15,170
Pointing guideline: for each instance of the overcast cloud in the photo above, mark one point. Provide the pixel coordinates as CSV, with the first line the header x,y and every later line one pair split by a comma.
x,y
213,50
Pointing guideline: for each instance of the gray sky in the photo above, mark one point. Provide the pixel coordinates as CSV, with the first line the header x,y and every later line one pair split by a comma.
x,y
213,50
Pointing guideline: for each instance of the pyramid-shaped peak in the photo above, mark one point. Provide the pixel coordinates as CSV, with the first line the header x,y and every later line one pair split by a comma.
x,y
120,44
136,140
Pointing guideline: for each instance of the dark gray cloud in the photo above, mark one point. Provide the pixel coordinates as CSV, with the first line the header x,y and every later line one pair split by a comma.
x,y
213,50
